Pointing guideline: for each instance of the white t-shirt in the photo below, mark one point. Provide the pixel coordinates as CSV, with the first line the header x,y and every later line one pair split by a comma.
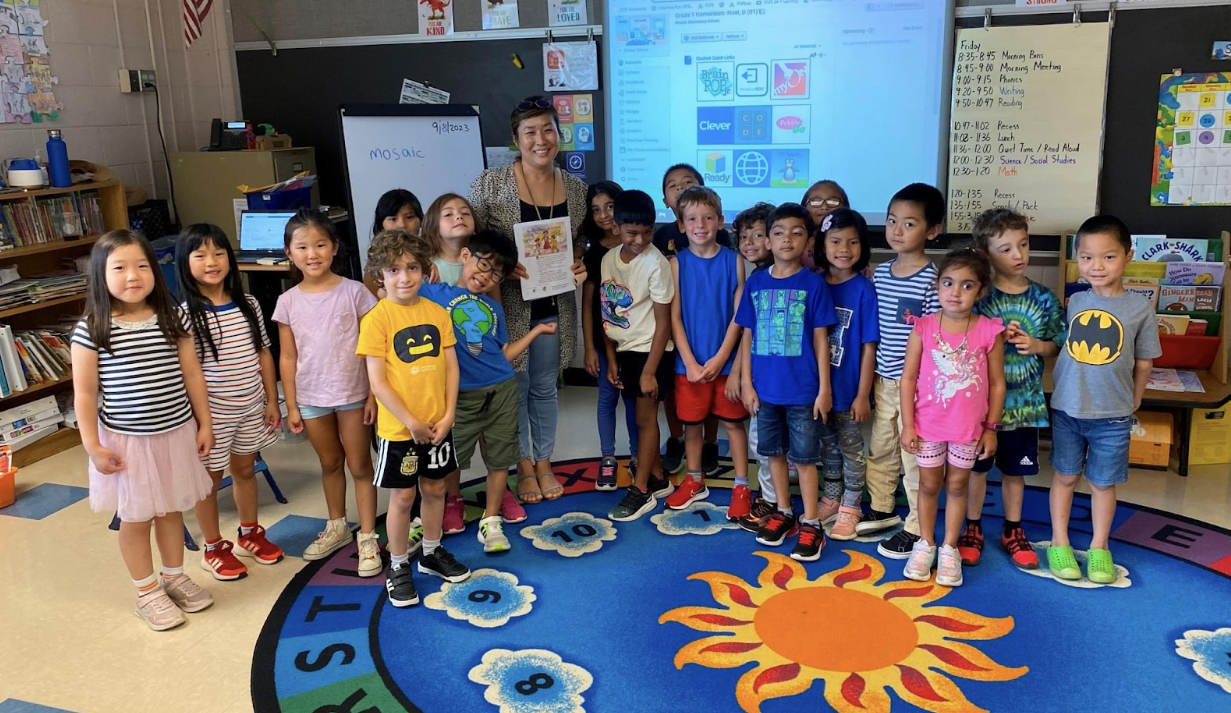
x,y
627,295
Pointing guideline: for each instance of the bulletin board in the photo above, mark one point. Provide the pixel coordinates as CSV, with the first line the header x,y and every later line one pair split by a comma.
x,y
1192,143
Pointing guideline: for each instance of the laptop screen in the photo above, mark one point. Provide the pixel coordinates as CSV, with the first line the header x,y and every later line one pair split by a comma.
x,y
263,231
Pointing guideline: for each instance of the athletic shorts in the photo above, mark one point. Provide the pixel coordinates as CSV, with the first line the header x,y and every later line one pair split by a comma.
x,y
400,464
1017,453
631,364
931,454
695,402
491,414
240,433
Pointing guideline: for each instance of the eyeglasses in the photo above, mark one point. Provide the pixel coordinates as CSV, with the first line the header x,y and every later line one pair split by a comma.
x,y
485,266
824,202
537,103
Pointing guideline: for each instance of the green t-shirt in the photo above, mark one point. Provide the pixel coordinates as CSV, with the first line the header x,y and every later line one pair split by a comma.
x,y
1038,312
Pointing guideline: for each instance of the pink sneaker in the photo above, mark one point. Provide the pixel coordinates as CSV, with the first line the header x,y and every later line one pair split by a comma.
x,y
844,526
829,510
455,515
511,511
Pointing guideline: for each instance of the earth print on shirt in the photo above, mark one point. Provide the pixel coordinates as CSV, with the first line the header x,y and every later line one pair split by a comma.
x,y
473,320
780,322
615,299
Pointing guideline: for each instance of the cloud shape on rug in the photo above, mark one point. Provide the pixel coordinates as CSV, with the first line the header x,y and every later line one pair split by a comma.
x,y
531,681
487,600
1123,580
1208,650
700,518
572,534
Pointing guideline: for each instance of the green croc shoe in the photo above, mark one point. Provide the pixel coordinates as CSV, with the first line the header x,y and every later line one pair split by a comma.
x,y
1099,567
1062,563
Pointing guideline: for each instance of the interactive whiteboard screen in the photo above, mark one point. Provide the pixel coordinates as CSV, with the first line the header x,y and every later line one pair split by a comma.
x,y
766,97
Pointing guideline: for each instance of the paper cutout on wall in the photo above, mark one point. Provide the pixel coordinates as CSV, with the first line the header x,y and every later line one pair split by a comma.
x,y
26,83
436,17
499,14
561,13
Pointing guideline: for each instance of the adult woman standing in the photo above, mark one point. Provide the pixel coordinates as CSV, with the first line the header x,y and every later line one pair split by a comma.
x,y
533,189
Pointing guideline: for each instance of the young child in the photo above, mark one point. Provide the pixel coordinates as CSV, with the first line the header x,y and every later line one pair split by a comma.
x,y
398,209
905,293
670,239
233,349
821,199
708,279
787,311
843,254
133,346
408,345
602,235
488,394
326,385
1034,327
951,408
636,293
448,225
1098,387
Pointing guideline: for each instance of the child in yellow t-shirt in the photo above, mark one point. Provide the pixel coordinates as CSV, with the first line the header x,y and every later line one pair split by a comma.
x,y
408,344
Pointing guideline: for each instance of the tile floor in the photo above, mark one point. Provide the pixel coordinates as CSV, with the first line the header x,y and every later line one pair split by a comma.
x,y
71,641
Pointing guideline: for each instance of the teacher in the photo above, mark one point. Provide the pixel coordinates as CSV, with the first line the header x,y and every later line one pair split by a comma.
x,y
532,189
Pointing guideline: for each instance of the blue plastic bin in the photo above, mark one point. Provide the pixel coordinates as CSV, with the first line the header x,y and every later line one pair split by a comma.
x,y
293,199
164,252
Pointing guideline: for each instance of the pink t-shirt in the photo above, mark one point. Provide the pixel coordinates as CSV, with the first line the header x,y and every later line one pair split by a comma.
x,y
951,395
326,327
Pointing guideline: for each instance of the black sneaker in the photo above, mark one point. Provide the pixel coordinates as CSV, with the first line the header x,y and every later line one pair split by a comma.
x,y
779,527
875,521
899,546
660,486
607,471
709,458
673,459
401,587
633,505
758,515
811,542
442,564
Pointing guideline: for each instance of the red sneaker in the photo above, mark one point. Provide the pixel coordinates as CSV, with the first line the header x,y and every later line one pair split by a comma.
x,y
970,544
221,563
1019,549
687,492
455,515
741,503
255,545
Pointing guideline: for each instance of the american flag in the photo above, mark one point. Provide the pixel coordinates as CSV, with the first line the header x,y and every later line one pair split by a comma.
x,y
194,14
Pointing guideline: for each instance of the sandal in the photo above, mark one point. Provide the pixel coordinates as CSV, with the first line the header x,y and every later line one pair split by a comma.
x,y
1062,563
528,488
552,490
1100,568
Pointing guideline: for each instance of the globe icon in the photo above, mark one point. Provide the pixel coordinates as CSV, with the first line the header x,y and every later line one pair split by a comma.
x,y
474,319
751,168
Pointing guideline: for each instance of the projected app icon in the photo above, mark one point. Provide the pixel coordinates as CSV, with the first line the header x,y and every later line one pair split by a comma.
x,y
715,81
715,168
715,125
792,124
790,79
751,169
751,80
788,168
752,124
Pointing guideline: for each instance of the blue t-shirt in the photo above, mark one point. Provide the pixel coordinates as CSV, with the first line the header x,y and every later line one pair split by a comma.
x,y
783,314
478,322
707,303
855,304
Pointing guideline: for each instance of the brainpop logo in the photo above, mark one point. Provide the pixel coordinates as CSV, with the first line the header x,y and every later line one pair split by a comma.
x,y
715,81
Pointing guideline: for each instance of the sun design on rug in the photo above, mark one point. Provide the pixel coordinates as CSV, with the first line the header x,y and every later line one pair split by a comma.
x,y
789,627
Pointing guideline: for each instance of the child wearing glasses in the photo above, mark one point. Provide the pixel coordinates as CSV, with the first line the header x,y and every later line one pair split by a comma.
x,y
821,199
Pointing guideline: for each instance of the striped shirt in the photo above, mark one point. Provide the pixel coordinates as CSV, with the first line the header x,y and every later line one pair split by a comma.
x,y
140,378
233,380
901,301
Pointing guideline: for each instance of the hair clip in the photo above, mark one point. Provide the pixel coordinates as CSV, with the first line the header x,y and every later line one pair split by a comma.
x,y
825,224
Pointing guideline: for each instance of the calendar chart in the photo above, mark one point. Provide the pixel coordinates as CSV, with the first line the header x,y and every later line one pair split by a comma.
x,y
1192,147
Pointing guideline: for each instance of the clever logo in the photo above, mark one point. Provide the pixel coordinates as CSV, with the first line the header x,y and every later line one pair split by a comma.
x,y
715,125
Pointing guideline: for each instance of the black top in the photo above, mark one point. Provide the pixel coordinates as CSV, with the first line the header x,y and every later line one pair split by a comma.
x,y
544,307
594,267
669,239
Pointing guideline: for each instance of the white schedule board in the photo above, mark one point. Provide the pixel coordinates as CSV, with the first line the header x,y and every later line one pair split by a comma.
x,y
1026,130
428,150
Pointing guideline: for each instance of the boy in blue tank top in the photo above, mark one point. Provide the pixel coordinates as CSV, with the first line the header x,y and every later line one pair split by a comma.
x,y
708,281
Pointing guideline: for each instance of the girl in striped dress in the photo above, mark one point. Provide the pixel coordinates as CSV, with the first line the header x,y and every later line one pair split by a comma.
x,y
233,347
146,435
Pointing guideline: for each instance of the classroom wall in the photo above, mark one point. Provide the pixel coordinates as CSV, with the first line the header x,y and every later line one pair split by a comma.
x,y
89,41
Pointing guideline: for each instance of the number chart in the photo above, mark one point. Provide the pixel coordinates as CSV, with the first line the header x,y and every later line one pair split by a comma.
x,y
1026,125
1192,141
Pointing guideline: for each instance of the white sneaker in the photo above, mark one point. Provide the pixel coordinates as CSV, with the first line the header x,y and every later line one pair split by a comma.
x,y
370,564
919,566
336,536
491,534
949,569
159,611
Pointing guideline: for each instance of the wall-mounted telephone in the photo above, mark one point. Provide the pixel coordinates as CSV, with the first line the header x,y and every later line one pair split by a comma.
x,y
230,135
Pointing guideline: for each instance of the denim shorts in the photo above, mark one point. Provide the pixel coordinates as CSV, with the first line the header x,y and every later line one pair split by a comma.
x,y
306,412
1097,447
790,430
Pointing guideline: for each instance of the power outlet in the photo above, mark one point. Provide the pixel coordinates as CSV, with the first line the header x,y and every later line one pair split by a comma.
x,y
147,80
136,80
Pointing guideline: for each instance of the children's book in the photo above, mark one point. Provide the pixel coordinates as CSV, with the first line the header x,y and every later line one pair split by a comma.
x,y
1156,249
1177,299
1194,273
1148,290
1208,299
1172,323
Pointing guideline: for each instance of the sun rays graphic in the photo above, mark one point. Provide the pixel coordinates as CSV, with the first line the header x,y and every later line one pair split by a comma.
x,y
860,638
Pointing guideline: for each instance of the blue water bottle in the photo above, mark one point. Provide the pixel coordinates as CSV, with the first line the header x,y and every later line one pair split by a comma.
x,y
57,160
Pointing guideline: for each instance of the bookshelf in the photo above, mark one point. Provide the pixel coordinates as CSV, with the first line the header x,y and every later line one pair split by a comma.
x,y
36,252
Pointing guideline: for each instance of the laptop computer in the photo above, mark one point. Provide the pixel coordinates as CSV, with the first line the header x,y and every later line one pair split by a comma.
x,y
260,234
